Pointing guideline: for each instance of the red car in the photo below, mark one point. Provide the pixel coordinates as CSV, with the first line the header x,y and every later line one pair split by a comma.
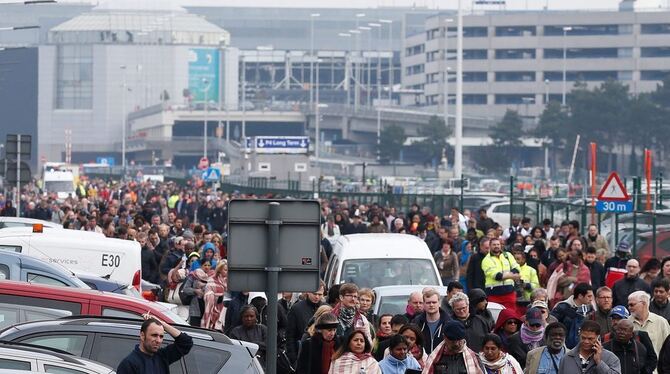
x,y
645,247
22,302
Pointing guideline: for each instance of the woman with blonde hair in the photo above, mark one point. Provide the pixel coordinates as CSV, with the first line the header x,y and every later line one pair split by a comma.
x,y
215,311
311,325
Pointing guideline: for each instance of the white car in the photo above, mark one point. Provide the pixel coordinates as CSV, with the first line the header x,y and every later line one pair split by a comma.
x,y
393,299
499,212
14,356
7,222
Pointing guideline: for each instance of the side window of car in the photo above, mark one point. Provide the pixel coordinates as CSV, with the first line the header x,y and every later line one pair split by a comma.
x,y
9,315
72,307
73,344
113,312
111,350
61,370
10,248
6,363
43,279
203,359
4,272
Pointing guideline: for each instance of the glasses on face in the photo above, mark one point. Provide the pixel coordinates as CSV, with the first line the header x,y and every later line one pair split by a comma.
x,y
604,297
352,296
511,322
536,325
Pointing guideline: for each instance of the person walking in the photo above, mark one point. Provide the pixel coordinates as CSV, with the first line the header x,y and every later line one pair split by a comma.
x,y
149,356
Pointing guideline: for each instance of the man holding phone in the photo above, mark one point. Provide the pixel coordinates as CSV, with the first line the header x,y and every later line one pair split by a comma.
x,y
589,356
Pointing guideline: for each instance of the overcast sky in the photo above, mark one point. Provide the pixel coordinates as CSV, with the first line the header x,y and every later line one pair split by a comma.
x,y
434,4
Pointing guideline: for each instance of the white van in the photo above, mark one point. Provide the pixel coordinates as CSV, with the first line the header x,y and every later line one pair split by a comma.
x,y
374,260
115,259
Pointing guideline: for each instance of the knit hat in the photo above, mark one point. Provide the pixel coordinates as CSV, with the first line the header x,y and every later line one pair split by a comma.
x,y
454,330
327,321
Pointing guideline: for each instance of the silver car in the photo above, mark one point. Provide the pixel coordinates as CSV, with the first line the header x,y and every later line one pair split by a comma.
x,y
42,360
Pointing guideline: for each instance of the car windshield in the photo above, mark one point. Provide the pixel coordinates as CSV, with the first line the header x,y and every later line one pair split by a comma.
x,y
58,186
392,305
388,272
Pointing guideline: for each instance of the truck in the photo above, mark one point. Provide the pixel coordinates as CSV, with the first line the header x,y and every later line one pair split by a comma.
x,y
58,179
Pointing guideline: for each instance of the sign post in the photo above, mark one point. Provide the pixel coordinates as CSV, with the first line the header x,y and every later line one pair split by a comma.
x,y
273,245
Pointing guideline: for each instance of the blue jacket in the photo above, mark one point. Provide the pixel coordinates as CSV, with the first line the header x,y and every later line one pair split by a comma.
x,y
138,363
391,365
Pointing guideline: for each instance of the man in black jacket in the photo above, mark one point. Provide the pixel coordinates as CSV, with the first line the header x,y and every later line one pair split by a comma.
x,y
475,275
632,354
631,283
148,356
659,302
298,319
595,268
432,320
475,325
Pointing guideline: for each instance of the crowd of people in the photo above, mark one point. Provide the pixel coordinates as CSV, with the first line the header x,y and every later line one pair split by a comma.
x,y
569,303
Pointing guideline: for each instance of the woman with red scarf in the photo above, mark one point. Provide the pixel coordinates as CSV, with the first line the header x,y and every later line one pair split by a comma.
x,y
316,352
214,290
354,356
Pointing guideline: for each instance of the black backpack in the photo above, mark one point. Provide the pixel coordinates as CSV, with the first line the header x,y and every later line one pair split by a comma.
x,y
185,299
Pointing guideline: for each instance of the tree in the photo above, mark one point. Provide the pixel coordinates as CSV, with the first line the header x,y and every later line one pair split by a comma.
x,y
508,132
435,135
391,141
553,127
506,136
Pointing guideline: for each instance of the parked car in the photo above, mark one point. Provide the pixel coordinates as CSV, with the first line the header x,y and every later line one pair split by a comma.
x,y
23,358
20,267
645,246
393,299
7,222
499,212
15,296
109,340
381,260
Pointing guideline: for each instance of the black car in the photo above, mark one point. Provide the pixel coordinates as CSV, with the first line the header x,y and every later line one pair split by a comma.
x,y
109,340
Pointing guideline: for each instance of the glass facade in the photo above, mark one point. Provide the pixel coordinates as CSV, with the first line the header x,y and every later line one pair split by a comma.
x,y
74,85
515,54
516,31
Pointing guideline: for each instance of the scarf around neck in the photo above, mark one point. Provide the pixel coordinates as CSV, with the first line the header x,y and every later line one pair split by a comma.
x,y
346,317
498,364
530,337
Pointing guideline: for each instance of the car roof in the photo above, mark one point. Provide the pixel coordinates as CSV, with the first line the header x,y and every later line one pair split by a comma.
x,y
34,263
51,231
363,246
405,290
13,349
30,221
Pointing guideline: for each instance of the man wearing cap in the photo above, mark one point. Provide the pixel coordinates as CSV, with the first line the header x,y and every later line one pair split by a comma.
x,y
632,354
547,359
618,261
620,313
529,336
544,309
656,326
452,355
630,283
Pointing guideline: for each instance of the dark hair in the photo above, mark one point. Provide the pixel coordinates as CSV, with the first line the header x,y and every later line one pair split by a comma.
x,y
525,220
582,289
482,210
416,330
333,294
399,319
350,337
591,250
456,285
660,282
543,234
554,326
379,320
574,223
493,338
396,340
652,263
546,221
247,308
591,326
147,323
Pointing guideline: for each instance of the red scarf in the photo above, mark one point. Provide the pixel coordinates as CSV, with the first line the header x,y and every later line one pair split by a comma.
x,y
326,355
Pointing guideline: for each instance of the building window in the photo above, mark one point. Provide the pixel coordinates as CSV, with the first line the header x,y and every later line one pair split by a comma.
x,y
433,77
586,76
515,54
655,51
516,31
515,76
414,50
654,75
433,99
432,56
515,98
655,28
554,53
470,54
474,76
472,32
474,99
433,34
415,69
583,30
74,83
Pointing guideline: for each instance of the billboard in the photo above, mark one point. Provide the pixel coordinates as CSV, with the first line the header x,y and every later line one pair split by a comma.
x,y
203,64
280,144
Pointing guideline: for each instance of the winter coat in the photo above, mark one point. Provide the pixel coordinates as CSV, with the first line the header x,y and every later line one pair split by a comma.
x,y
391,365
309,356
633,356
571,364
297,322
626,286
430,342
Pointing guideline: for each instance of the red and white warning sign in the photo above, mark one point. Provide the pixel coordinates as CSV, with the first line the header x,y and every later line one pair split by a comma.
x,y
613,189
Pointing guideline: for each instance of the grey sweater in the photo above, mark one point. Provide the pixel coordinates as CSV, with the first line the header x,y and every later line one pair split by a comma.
x,y
571,363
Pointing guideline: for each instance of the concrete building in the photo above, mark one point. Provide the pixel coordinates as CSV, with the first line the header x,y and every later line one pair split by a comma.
x,y
121,56
515,60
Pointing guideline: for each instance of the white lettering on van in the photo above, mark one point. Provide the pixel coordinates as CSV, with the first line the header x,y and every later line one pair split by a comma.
x,y
64,261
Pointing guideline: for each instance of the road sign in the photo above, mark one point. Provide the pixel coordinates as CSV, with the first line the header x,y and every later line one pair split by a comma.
x,y
211,175
281,144
613,189
109,161
249,240
614,206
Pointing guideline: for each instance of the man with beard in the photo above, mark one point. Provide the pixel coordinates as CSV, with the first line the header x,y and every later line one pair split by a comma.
x,y
548,358
603,308
659,303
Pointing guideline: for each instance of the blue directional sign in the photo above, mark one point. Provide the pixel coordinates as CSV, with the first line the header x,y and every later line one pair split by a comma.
x,y
105,160
211,175
614,206
281,144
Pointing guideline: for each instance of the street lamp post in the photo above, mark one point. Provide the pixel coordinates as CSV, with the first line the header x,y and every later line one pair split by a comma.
x,y
378,76
311,55
566,29
317,120
379,132
546,91
367,62
446,71
458,133
124,88
390,68
205,84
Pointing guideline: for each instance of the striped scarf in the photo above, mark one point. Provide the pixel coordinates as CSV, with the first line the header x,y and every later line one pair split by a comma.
x,y
351,363
472,363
